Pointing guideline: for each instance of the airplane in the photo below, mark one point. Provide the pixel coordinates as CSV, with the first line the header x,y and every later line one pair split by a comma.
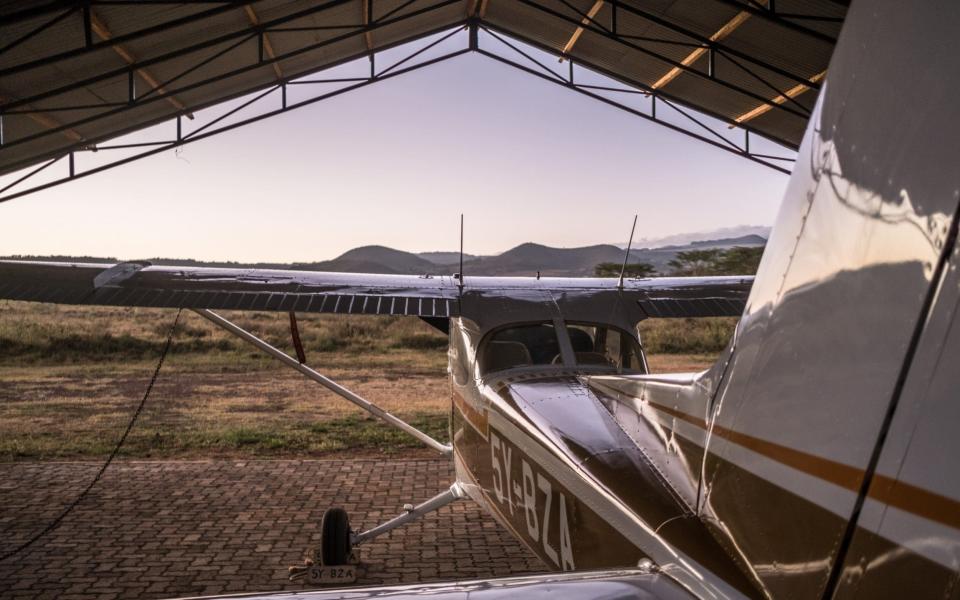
x,y
815,458
506,334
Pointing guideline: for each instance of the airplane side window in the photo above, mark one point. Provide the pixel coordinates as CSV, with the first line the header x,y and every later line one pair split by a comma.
x,y
601,346
457,358
520,346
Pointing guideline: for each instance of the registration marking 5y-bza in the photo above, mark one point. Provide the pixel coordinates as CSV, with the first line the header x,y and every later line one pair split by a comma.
x,y
528,499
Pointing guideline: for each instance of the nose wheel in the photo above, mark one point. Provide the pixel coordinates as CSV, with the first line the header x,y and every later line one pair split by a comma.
x,y
333,560
336,542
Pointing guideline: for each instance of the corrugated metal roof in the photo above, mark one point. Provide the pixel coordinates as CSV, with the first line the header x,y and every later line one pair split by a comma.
x,y
65,73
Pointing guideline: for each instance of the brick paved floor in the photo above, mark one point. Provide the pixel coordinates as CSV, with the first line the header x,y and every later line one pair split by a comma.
x,y
162,529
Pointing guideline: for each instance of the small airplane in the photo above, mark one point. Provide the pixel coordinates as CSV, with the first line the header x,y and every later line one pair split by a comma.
x,y
815,459
532,442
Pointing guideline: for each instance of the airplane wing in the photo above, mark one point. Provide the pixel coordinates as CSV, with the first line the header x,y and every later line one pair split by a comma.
x,y
143,284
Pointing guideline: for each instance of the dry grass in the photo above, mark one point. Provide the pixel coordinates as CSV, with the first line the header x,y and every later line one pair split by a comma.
x,y
70,378
68,413
50,334
687,336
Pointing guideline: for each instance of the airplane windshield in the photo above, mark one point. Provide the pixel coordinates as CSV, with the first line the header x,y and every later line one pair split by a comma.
x,y
594,345
604,346
521,346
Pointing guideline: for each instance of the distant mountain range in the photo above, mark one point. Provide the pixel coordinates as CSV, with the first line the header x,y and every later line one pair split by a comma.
x,y
446,258
525,259
682,239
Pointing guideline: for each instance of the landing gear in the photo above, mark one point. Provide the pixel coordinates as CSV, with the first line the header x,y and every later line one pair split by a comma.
x,y
411,513
334,562
336,543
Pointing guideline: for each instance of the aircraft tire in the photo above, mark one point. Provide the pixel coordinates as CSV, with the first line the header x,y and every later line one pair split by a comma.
x,y
335,544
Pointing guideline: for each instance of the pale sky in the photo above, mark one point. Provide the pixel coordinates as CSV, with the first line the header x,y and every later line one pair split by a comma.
x,y
395,163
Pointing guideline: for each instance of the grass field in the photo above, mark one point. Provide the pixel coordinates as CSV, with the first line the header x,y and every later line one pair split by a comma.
x,y
70,378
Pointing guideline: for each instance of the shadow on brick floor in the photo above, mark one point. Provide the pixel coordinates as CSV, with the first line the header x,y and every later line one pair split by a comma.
x,y
154,529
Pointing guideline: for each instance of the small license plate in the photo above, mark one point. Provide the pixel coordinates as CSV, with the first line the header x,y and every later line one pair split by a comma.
x,y
324,575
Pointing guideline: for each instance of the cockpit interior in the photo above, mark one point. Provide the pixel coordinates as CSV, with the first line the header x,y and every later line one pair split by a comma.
x,y
594,346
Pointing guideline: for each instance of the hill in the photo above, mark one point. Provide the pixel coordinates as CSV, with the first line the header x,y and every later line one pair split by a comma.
x,y
446,258
374,259
660,257
523,260
685,239
527,259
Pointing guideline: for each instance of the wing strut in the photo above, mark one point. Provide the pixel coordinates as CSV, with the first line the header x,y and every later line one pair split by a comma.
x,y
326,382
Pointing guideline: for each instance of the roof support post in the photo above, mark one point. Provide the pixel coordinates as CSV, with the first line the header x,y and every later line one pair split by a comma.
x,y
263,41
87,26
472,28
367,19
587,20
104,33
708,48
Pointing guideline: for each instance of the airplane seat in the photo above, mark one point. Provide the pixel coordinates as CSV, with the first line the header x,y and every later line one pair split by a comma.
x,y
539,340
498,356
580,340
592,358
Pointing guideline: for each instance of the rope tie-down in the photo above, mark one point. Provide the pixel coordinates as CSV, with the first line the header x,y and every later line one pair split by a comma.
x,y
116,449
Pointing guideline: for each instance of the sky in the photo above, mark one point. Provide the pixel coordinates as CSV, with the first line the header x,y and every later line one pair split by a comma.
x,y
395,163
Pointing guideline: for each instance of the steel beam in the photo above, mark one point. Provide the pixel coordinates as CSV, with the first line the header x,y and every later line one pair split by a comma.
x,y
246,32
718,140
774,17
787,95
265,44
728,28
676,64
162,146
120,39
587,19
598,29
154,97
639,85
657,96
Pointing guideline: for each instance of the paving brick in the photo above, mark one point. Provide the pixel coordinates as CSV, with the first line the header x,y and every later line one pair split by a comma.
x,y
156,529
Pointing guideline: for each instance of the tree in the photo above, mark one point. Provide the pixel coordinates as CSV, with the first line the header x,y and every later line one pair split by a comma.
x,y
739,260
609,269
695,262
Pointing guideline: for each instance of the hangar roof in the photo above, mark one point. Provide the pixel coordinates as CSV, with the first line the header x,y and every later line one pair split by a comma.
x,y
76,73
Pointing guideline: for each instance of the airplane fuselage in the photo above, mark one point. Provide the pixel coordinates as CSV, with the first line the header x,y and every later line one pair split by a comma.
x,y
541,450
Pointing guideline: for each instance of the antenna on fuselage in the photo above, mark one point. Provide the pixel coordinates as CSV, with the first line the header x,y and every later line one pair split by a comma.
x,y
460,274
626,257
